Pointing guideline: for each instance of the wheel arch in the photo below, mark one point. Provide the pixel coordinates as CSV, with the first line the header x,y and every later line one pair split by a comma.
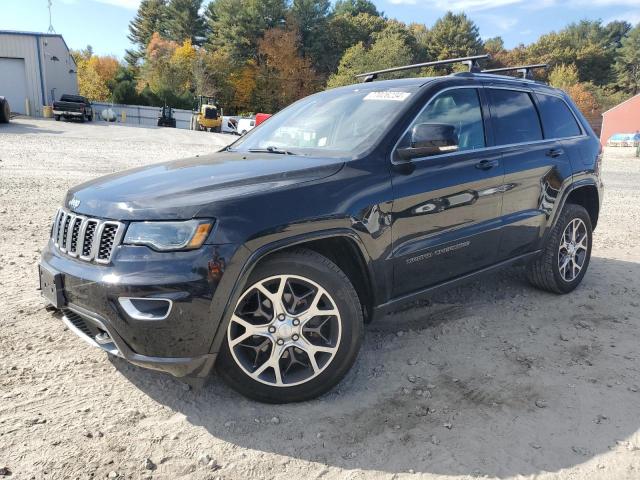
x,y
584,192
357,267
586,196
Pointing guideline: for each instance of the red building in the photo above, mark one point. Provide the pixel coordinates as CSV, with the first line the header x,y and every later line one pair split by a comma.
x,y
623,118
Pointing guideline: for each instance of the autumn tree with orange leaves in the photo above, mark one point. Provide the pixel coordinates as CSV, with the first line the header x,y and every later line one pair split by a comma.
x,y
284,75
95,73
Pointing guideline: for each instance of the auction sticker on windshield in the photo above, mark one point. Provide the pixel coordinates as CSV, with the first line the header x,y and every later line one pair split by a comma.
x,y
393,96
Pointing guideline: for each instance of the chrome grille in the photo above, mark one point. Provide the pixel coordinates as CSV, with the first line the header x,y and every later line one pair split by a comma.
x,y
87,242
90,239
107,238
74,228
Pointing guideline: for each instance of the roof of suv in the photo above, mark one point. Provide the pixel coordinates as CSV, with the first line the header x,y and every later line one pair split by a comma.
x,y
421,81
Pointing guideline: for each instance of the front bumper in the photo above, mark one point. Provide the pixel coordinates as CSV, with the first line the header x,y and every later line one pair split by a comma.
x,y
178,343
65,113
94,330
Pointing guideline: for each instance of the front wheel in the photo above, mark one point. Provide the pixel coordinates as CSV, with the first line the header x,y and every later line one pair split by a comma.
x,y
565,258
295,332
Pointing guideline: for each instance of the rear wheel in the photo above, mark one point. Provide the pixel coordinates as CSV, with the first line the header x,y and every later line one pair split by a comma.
x,y
295,331
57,118
565,259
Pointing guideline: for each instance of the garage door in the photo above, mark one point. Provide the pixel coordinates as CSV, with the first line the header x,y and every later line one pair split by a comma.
x,y
13,83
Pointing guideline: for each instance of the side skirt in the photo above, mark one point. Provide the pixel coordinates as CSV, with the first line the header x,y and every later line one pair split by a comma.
x,y
397,303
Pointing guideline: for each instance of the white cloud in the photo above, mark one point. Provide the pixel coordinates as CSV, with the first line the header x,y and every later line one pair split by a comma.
x,y
130,4
480,5
458,5
540,4
607,3
501,22
633,17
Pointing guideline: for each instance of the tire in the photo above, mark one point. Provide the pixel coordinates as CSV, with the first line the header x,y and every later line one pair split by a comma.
x,y
5,111
90,118
56,118
547,272
311,276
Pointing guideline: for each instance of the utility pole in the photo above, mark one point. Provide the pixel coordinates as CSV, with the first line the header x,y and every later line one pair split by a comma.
x,y
51,29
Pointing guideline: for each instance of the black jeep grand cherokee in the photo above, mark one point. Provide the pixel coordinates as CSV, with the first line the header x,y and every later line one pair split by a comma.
x,y
267,258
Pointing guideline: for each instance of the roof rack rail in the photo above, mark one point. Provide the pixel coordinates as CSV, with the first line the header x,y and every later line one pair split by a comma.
x,y
525,70
474,67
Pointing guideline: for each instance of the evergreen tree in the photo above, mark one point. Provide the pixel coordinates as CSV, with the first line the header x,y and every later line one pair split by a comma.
x,y
184,21
235,26
355,7
628,65
311,17
494,46
345,31
390,49
151,17
452,36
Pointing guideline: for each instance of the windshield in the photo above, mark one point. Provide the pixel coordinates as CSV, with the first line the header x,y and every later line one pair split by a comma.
x,y
210,113
336,123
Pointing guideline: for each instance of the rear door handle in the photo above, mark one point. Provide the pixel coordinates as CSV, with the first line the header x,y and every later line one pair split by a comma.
x,y
555,152
487,164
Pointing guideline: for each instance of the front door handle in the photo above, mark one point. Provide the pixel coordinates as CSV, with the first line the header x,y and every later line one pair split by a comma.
x,y
487,164
555,152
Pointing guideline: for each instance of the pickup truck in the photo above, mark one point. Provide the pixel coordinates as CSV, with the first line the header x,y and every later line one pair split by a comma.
x,y
73,106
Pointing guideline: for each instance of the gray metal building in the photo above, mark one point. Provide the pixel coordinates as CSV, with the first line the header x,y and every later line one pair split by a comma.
x,y
35,70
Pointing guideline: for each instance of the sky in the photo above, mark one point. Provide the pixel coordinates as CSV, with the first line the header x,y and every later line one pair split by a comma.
x,y
103,23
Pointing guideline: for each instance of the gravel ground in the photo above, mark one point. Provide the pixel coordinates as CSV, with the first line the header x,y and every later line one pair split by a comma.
x,y
490,379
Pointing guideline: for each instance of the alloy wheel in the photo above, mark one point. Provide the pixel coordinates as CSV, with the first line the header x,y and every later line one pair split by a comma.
x,y
572,252
285,330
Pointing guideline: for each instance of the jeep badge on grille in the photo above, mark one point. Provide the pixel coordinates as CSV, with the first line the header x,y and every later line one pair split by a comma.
x,y
74,203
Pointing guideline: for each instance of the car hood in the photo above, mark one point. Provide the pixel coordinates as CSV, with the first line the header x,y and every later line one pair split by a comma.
x,y
180,188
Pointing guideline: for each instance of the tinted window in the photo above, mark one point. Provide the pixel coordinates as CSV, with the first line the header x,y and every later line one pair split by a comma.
x,y
459,108
514,116
557,119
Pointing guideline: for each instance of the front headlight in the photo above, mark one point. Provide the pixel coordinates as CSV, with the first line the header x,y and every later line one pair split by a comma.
x,y
167,236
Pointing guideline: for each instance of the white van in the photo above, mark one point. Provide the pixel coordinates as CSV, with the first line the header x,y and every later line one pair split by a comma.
x,y
246,124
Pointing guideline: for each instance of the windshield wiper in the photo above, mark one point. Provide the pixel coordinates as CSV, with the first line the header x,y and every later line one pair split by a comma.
x,y
276,150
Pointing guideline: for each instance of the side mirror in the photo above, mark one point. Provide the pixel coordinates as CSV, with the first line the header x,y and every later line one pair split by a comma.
x,y
430,139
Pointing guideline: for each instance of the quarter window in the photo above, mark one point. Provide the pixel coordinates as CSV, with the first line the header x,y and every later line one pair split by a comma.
x,y
514,117
557,119
459,108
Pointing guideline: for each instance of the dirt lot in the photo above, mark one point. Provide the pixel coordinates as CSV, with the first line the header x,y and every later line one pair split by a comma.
x,y
492,379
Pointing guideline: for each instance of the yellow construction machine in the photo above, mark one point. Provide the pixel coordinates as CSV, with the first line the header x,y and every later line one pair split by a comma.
x,y
209,115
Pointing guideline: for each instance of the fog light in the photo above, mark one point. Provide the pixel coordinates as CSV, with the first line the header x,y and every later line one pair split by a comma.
x,y
146,308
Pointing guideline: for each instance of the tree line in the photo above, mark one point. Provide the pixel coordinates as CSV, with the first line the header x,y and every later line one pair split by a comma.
x,y
261,55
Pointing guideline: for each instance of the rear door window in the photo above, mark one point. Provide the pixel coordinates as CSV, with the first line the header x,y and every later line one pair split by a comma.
x,y
514,117
557,119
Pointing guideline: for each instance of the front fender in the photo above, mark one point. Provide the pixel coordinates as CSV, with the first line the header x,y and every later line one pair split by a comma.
x,y
245,260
